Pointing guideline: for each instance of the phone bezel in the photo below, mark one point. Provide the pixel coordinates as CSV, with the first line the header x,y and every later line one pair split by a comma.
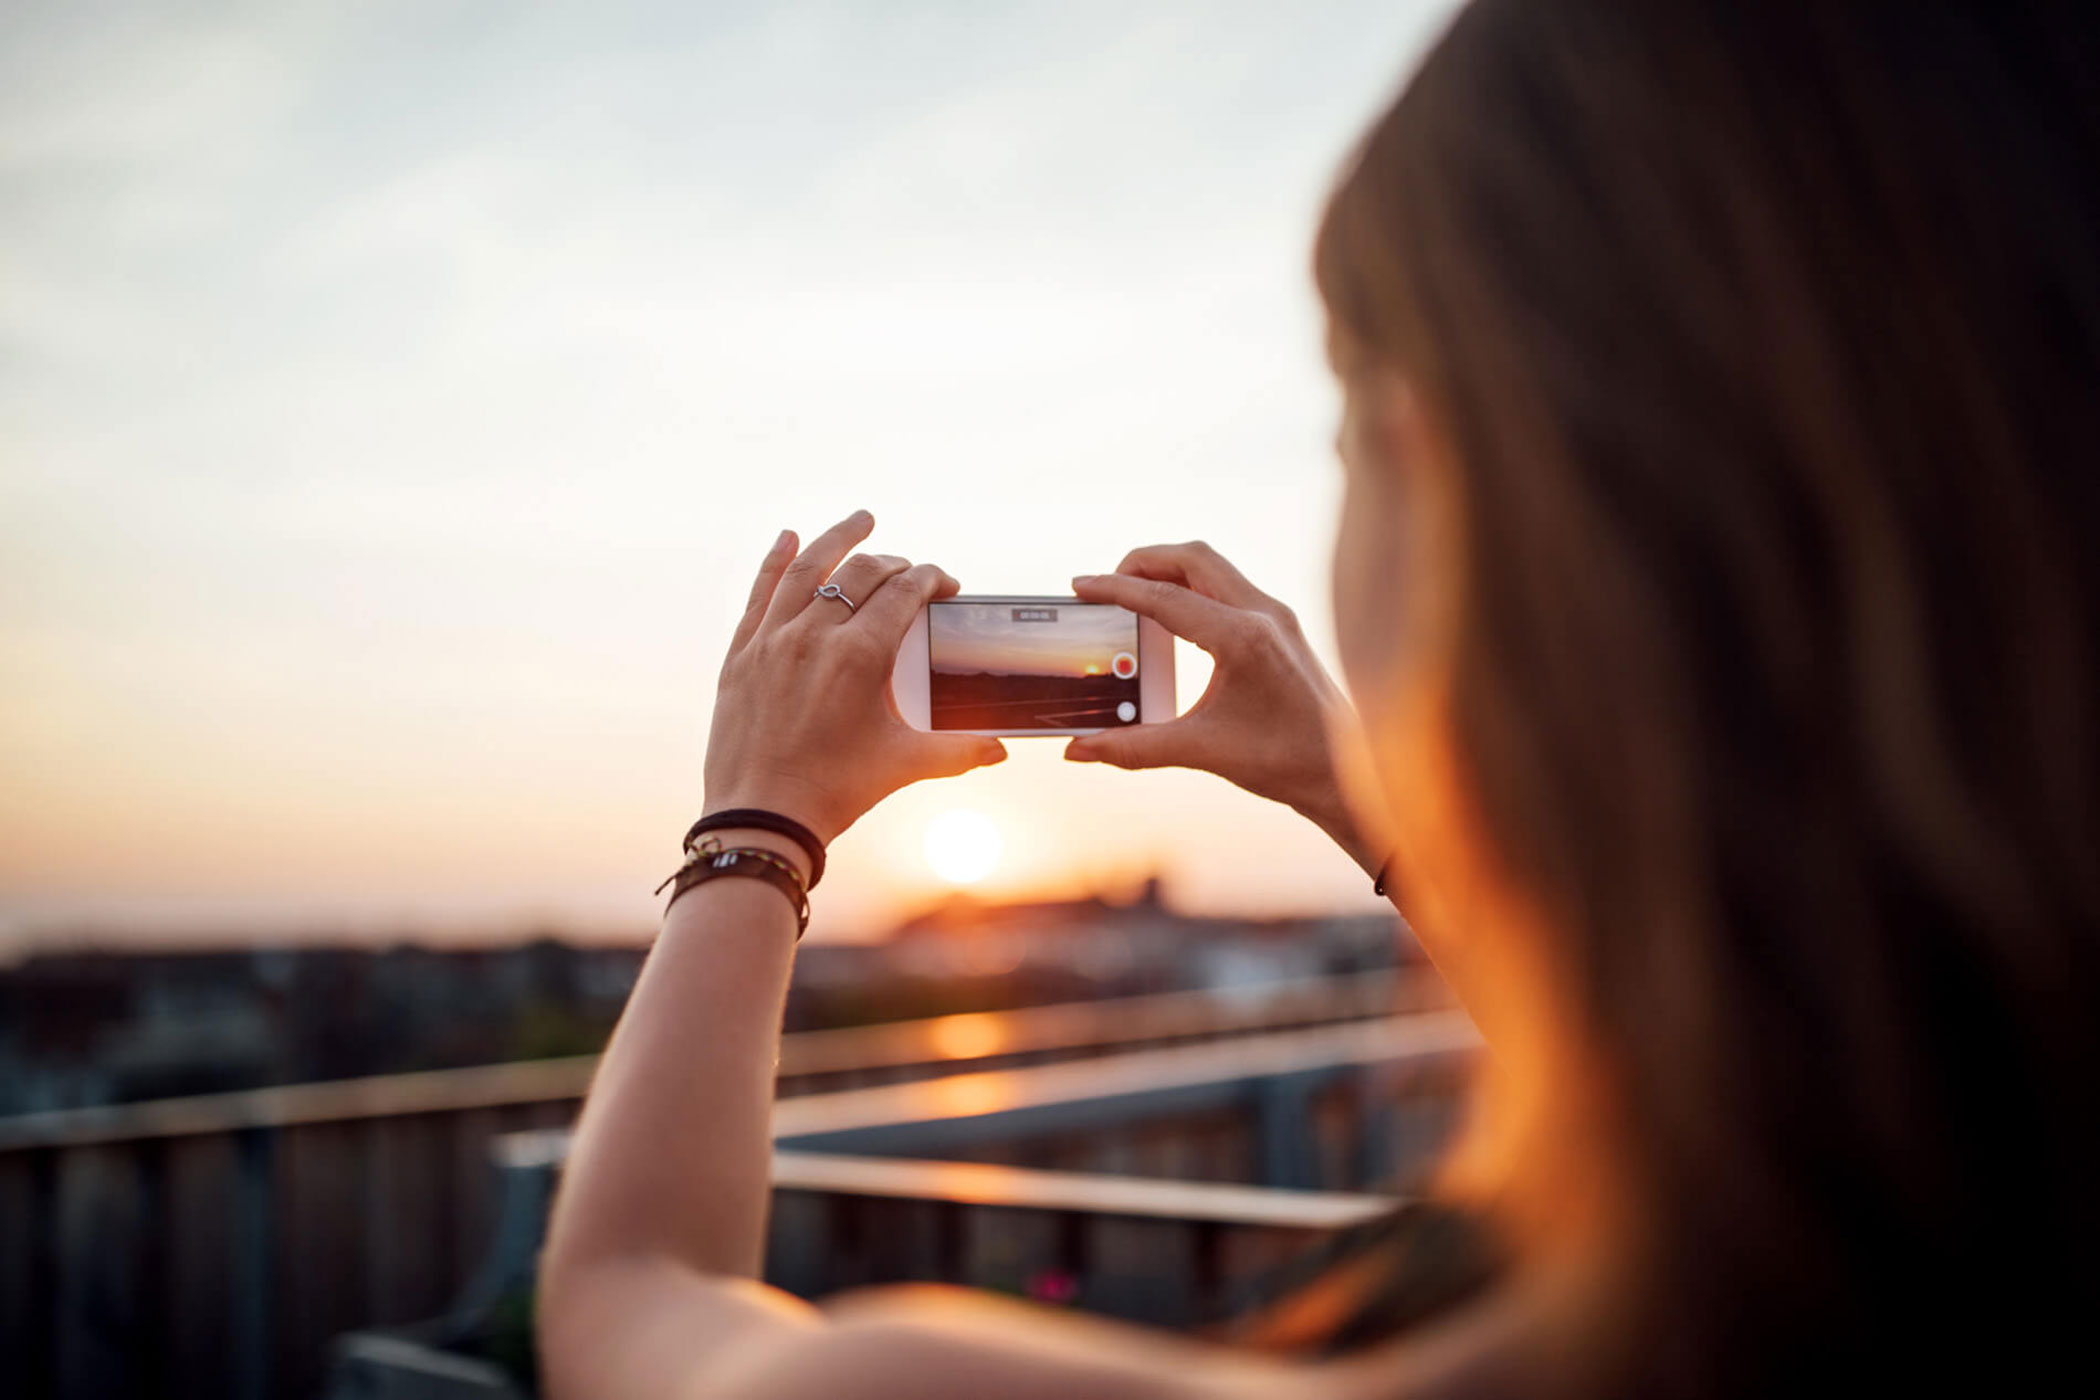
x,y
912,677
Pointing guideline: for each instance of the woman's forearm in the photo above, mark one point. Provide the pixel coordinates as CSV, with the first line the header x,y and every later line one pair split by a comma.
x,y
659,1228
673,1154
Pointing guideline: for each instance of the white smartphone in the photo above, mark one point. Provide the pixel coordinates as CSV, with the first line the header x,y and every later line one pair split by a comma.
x,y
1014,666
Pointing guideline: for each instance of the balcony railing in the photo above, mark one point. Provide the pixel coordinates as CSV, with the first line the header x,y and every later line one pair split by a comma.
x,y
1186,1174
215,1245
1161,1252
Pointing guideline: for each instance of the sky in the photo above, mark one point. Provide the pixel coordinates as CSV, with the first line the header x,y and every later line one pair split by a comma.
x,y
397,396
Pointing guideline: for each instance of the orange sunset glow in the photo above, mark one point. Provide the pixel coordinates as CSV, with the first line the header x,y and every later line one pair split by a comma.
x,y
966,637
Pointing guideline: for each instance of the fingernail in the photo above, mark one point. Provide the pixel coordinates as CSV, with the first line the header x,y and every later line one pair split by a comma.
x,y
782,542
1082,580
864,514
996,755
1077,754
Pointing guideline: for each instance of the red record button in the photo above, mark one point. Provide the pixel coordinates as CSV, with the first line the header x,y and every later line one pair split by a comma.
x,y
1124,665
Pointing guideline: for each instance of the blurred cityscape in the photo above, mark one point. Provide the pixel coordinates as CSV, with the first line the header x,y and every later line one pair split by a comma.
x,y
81,1029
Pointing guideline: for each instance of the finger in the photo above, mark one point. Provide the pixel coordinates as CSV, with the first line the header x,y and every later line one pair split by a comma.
x,y
1167,745
889,613
1197,565
858,579
798,586
945,755
1207,622
769,571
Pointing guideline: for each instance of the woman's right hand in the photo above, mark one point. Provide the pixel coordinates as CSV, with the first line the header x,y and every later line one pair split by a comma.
x,y
1270,719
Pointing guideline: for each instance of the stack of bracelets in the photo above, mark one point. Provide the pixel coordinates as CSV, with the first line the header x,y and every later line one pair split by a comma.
x,y
708,859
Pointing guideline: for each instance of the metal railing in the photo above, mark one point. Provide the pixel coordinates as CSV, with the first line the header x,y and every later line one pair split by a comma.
x,y
1144,1228
1167,1253
215,1244
1183,1131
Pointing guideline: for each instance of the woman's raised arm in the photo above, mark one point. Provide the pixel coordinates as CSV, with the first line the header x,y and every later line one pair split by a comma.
x,y
648,1287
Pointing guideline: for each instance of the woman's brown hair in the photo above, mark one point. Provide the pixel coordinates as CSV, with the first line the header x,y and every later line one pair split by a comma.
x,y
1766,340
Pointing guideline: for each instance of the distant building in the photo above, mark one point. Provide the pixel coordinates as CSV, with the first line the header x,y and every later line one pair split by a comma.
x,y
1139,945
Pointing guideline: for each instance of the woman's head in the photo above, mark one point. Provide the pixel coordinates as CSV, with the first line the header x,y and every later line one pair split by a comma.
x,y
1723,447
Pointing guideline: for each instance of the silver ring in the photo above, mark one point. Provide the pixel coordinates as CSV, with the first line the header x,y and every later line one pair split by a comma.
x,y
831,590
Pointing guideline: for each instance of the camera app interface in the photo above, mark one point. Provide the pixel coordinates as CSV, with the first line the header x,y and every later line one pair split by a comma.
x,y
1032,665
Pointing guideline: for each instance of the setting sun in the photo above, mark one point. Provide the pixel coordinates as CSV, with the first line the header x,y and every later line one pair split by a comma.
x,y
962,846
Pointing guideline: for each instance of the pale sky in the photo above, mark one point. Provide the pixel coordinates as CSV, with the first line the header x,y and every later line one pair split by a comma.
x,y
395,399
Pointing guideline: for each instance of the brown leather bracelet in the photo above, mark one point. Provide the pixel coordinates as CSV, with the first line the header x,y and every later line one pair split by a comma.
x,y
711,862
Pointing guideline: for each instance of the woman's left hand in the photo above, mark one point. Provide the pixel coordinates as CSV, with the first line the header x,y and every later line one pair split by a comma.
x,y
804,723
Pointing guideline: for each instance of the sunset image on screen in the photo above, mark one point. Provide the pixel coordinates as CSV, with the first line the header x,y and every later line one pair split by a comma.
x,y
1032,665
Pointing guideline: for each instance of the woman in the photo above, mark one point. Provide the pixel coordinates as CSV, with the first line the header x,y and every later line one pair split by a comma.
x,y
1722,416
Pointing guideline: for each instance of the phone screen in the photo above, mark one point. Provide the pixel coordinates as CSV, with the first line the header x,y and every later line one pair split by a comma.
x,y
1032,665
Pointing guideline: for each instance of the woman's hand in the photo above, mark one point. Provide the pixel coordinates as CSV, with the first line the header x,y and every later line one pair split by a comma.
x,y
804,724
1271,718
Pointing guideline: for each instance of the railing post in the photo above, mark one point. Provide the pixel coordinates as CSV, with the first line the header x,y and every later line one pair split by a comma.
x,y
254,1265
41,1314
1075,1257
950,1231
1376,1126
151,1334
1283,1122
1208,1269
525,1195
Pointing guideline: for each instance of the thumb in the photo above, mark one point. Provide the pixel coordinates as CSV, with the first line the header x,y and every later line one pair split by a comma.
x,y
945,755
1140,746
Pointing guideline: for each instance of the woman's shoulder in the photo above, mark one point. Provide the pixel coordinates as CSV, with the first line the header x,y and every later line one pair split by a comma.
x,y
936,1342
